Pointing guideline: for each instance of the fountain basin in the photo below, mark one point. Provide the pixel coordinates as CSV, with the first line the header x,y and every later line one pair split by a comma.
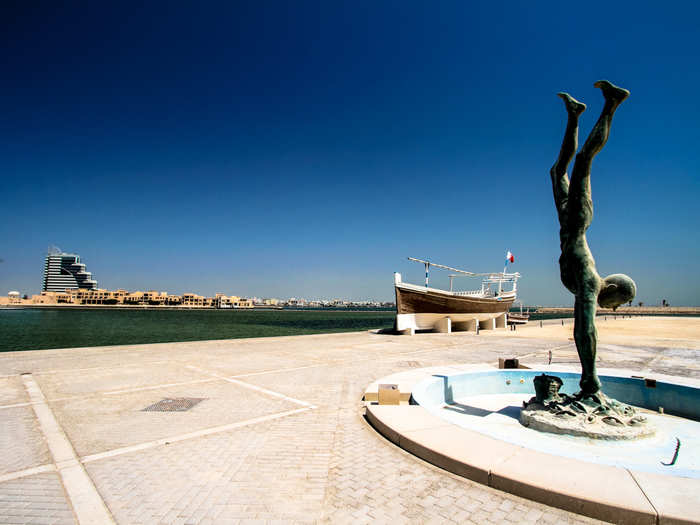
x,y
465,420
489,402
676,399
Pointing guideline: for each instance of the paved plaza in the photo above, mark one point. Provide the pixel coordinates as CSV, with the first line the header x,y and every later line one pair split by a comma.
x,y
275,432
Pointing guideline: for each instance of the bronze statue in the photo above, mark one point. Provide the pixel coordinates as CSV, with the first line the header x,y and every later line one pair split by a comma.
x,y
589,413
575,210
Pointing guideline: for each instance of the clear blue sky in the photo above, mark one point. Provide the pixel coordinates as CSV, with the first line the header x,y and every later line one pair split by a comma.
x,y
307,148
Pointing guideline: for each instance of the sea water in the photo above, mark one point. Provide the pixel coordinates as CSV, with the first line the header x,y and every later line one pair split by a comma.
x,y
40,328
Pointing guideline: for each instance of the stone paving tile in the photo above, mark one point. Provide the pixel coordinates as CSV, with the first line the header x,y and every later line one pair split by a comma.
x,y
234,364
21,442
71,359
12,391
325,465
100,423
38,499
371,478
322,465
314,384
670,360
137,375
249,473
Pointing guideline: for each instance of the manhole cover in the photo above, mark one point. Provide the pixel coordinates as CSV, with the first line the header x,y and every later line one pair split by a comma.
x,y
177,404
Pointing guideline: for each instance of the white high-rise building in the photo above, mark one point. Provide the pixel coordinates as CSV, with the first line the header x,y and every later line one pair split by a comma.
x,y
64,270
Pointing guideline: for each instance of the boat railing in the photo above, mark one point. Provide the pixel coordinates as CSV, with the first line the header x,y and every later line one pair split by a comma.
x,y
472,293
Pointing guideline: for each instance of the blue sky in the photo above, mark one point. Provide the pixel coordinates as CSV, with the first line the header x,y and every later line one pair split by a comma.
x,y
307,148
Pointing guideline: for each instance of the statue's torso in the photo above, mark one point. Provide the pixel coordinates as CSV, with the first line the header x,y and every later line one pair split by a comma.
x,y
577,267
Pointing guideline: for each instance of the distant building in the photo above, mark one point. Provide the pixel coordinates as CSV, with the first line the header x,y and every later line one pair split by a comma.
x,y
65,271
233,301
192,299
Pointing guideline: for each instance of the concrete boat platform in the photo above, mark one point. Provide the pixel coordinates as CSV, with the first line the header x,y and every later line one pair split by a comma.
x,y
267,430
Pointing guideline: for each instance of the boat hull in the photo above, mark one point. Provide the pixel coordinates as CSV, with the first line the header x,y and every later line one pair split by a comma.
x,y
518,318
411,301
427,309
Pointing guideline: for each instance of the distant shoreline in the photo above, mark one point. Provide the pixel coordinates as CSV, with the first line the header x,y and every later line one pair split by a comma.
x,y
197,308
626,310
563,310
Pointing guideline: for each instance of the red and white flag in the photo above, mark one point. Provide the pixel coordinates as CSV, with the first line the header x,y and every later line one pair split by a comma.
x,y
510,257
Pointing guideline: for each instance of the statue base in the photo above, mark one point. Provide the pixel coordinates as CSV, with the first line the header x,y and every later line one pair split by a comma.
x,y
593,416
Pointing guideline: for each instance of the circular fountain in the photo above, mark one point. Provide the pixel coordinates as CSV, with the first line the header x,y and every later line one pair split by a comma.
x,y
492,403
467,419
612,446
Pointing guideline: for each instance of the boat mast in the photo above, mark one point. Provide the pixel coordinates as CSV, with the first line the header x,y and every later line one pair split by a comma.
x,y
490,277
445,267
427,269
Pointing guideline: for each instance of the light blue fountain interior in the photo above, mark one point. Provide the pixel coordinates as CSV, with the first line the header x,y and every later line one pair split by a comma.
x,y
489,402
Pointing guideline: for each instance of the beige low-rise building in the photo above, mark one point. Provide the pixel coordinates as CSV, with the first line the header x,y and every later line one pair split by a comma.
x,y
123,297
244,303
99,296
192,299
48,298
173,300
133,298
67,297
232,301
154,298
222,301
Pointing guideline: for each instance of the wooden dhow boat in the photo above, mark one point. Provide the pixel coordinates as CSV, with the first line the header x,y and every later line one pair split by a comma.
x,y
425,308
519,318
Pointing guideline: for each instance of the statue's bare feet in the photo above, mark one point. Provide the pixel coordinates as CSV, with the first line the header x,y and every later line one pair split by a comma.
x,y
572,105
611,92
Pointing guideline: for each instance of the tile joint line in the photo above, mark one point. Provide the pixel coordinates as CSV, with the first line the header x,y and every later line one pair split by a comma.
x,y
52,467
190,435
253,387
48,467
88,505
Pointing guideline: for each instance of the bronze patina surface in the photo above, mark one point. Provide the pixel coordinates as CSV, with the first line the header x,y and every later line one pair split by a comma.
x,y
578,272
575,210
593,416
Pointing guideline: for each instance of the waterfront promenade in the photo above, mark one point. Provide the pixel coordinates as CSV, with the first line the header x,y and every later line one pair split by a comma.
x,y
277,433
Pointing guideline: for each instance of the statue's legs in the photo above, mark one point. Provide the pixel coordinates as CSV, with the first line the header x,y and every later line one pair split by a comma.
x,y
579,217
560,182
580,204
586,337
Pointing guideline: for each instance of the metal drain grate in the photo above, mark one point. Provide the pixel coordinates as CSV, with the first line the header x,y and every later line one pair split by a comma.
x,y
178,404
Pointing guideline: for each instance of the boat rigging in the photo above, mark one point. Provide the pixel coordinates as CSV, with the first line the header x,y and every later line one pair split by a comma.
x,y
423,307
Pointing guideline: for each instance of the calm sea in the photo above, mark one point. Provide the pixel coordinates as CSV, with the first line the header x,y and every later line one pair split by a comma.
x,y
34,329
40,328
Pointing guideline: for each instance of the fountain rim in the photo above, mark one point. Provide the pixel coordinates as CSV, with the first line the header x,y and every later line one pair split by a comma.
x,y
606,492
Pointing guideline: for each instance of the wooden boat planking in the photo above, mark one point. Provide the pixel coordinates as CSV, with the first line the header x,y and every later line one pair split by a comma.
x,y
432,300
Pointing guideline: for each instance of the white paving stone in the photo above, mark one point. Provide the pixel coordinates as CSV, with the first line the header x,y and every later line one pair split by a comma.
x,y
310,458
